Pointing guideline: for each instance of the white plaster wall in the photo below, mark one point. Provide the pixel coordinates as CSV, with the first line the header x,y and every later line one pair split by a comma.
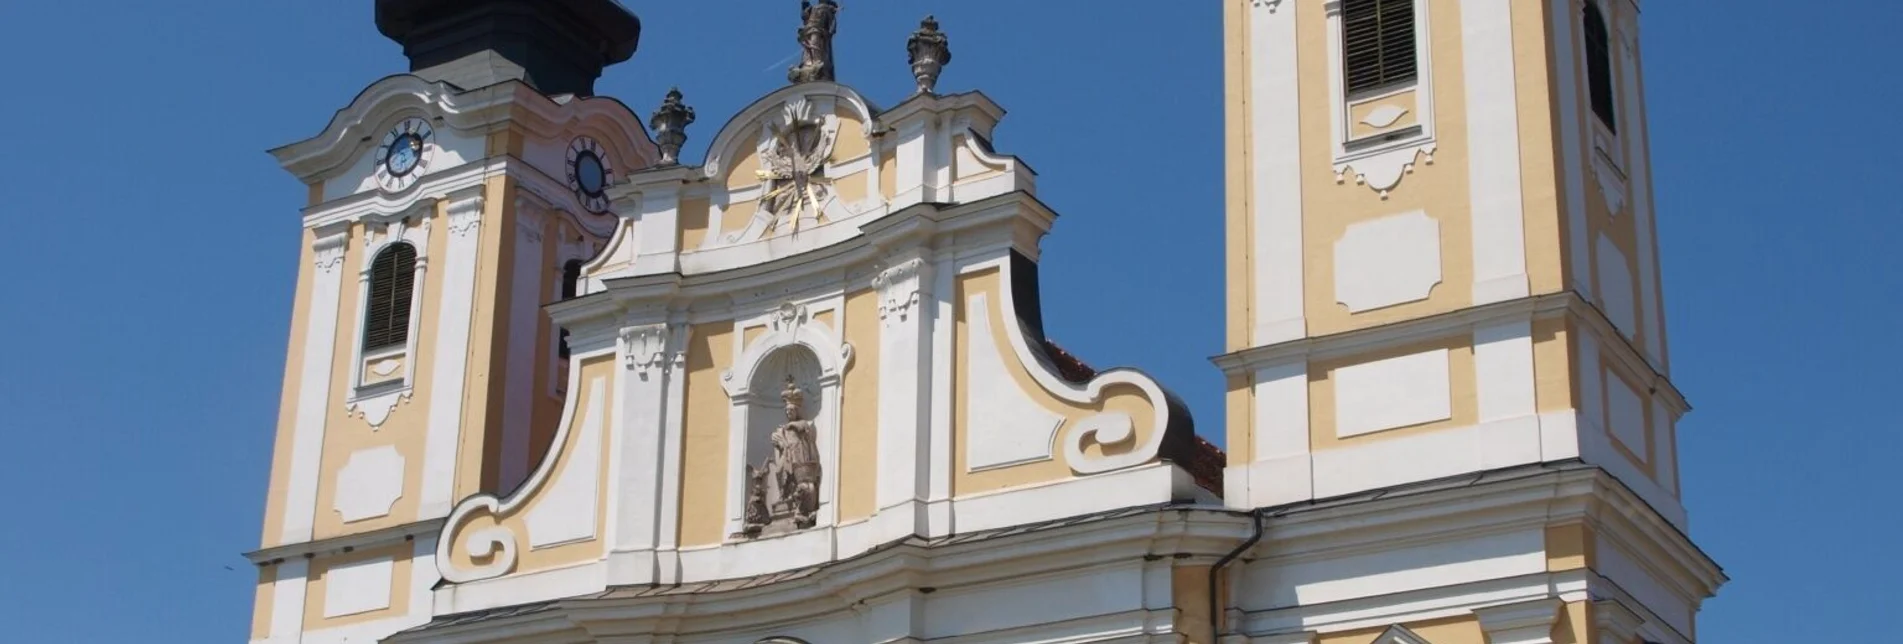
x,y
1395,392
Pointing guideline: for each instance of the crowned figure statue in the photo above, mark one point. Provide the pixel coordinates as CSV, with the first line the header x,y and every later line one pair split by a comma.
x,y
783,493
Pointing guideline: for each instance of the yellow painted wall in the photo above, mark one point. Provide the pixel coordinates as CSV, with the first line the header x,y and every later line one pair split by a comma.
x,y
1123,398
705,433
314,592
273,533
263,600
859,407
1440,189
1465,404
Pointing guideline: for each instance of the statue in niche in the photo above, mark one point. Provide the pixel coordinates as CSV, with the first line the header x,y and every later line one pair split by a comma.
x,y
783,493
818,22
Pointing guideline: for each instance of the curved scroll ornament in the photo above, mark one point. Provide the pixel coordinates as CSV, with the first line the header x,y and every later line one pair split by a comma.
x,y
1105,428
498,543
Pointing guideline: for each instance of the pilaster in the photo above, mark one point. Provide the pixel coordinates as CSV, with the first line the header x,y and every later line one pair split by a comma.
x,y
904,290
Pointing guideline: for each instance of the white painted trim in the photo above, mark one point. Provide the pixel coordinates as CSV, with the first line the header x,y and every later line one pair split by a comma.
x,y
1276,184
1639,142
313,399
1428,456
936,460
1572,141
1090,393
462,224
1503,370
524,326
1280,470
287,600
568,508
1493,139
499,541
1004,426
1380,162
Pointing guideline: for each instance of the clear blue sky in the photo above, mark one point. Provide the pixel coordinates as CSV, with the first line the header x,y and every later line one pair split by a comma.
x,y
150,244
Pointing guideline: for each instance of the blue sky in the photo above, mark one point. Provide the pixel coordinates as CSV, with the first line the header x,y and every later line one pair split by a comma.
x,y
150,246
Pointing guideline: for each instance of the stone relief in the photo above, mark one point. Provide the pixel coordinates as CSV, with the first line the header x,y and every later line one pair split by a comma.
x,y
783,491
794,166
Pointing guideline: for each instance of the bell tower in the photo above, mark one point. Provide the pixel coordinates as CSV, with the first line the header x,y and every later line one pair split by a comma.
x,y
1443,265
446,207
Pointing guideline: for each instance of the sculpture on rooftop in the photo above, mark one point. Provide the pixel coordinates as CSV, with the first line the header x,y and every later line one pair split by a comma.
x,y
793,166
670,126
818,22
928,50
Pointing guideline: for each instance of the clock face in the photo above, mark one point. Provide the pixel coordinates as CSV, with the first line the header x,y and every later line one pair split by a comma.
x,y
588,173
403,155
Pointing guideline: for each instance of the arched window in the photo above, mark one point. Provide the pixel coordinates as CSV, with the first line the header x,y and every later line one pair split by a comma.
x,y
1599,67
571,281
386,321
1377,39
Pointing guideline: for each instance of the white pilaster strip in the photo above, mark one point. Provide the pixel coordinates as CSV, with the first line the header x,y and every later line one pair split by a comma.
x,y
1503,371
451,354
525,311
1493,136
938,457
637,458
1285,474
667,533
905,357
313,396
910,161
1638,144
287,600
1572,143
1276,196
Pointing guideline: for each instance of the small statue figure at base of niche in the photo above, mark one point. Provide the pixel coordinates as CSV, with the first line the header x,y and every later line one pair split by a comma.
x,y
783,493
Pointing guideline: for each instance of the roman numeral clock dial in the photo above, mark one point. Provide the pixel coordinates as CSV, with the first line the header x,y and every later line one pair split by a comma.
x,y
403,155
588,173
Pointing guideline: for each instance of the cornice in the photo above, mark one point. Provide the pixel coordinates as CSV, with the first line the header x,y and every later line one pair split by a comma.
x,y
1541,306
1005,221
352,130
347,543
1132,535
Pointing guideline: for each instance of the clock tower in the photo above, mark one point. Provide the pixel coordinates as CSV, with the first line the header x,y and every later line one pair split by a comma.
x,y
446,206
1443,285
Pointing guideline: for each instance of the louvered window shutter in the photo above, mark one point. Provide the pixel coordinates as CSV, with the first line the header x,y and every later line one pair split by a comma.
x,y
387,309
1377,43
1599,67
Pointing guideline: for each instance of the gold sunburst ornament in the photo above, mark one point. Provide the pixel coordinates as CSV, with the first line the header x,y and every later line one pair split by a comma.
x,y
795,165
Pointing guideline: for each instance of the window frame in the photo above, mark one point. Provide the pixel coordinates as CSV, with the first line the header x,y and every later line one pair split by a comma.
x,y
1602,91
1380,159
380,233
1385,83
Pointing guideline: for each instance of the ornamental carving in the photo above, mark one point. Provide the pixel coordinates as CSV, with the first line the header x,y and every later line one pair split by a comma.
x,y
644,349
929,51
899,288
782,493
794,166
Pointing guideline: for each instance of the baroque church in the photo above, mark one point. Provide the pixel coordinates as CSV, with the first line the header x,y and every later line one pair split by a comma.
x,y
548,382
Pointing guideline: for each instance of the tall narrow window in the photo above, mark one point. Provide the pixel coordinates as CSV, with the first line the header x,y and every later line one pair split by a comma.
x,y
571,281
1599,67
1377,43
386,321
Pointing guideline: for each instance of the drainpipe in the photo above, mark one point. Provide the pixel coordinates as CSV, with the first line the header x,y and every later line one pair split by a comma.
x,y
1215,611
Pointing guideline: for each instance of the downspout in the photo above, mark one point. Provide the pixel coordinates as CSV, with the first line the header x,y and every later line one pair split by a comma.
x,y
1215,611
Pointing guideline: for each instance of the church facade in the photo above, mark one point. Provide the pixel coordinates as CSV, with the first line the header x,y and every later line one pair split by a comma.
x,y
549,382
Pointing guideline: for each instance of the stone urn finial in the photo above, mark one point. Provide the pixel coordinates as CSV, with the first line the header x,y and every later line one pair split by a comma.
x,y
929,51
670,126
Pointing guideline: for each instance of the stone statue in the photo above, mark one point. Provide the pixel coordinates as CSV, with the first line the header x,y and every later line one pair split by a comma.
x,y
818,22
783,493
928,50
